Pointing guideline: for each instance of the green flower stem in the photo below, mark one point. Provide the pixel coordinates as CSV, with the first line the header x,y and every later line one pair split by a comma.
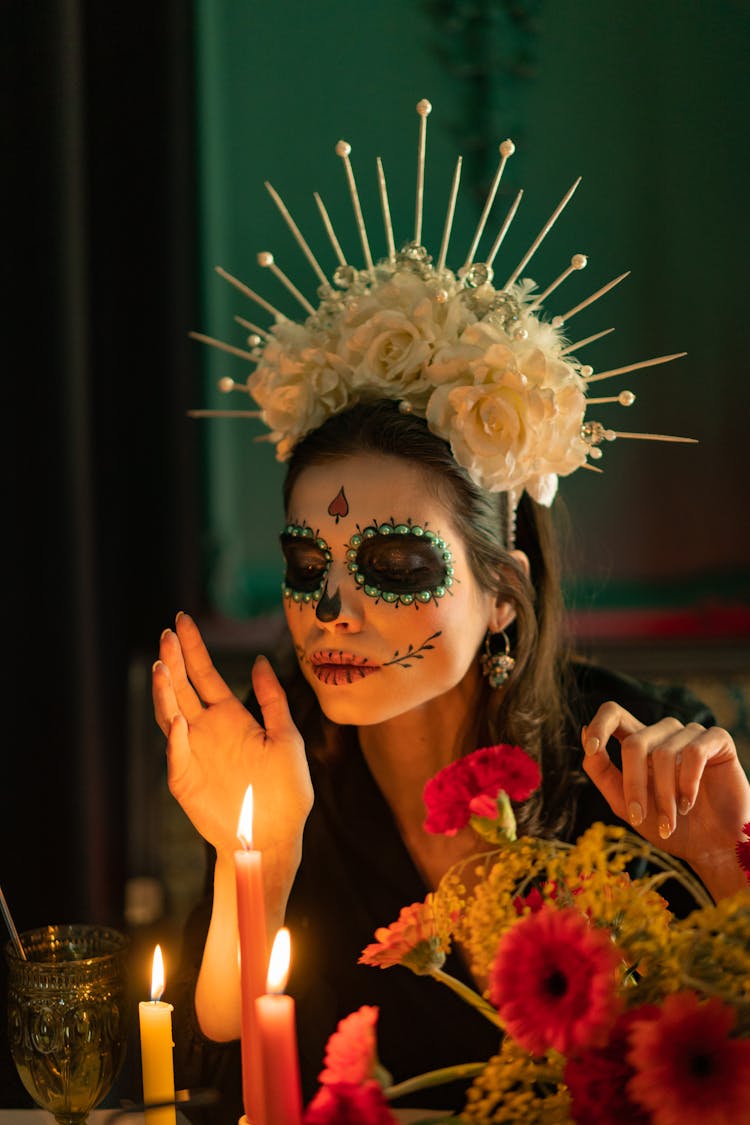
x,y
468,994
434,1078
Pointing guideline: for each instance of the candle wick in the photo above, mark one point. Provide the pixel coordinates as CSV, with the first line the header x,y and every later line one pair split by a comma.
x,y
246,842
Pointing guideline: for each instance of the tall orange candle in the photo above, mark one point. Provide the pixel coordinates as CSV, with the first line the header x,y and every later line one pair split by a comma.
x,y
251,914
157,1066
276,1024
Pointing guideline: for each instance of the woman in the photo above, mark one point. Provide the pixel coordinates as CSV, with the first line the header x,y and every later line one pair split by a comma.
x,y
386,694
426,417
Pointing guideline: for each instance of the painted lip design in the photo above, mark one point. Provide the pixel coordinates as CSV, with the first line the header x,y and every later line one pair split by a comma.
x,y
333,666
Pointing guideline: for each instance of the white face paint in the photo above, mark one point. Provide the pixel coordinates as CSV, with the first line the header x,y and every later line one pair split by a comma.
x,y
410,627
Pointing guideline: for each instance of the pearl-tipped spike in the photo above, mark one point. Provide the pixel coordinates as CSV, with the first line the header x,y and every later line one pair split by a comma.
x,y
225,413
612,434
385,208
329,230
588,340
507,148
424,109
504,229
301,242
265,259
251,294
254,328
227,384
343,149
577,262
625,398
230,348
542,234
449,215
634,367
558,321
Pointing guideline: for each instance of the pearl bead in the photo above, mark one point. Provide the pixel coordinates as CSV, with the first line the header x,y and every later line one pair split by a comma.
x,y
343,148
507,148
626,398
579,261
226,384
587,370
265,258
424,107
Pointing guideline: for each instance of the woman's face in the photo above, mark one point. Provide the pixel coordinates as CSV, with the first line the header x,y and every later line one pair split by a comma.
x,y
383,608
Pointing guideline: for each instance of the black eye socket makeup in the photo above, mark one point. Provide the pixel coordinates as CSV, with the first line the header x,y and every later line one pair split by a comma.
x,y
400,563
307,559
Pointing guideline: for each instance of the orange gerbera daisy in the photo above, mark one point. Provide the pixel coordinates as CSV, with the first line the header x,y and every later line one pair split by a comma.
x,y
411,940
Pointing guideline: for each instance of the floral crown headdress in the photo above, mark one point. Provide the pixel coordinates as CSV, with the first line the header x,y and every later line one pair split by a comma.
x,y
489,373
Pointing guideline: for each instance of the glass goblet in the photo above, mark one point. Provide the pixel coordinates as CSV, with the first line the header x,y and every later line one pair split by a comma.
x,y
67,1016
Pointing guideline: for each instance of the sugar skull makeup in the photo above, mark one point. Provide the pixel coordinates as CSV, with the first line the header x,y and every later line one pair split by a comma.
x,y
379,596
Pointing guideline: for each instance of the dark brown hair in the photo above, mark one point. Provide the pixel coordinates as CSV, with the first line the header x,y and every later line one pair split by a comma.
x,y
531,710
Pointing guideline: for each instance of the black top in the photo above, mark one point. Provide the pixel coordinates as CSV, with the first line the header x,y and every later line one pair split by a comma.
x,y
355,875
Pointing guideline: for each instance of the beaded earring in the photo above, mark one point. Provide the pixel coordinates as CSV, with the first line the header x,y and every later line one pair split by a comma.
x,y
496,666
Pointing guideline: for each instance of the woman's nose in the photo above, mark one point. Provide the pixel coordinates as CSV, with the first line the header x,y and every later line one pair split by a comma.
x,y
338,608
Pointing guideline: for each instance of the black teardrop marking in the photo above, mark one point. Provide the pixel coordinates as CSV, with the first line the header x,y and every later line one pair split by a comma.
x,y
328,608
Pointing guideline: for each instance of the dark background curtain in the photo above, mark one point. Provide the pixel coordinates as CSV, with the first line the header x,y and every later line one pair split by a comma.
x,y
102,512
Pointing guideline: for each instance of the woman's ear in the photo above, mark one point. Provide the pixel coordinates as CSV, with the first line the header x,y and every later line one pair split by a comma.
x,y
503,612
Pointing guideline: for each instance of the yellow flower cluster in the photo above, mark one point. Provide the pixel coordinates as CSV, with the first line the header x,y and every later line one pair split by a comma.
x,y
515,1087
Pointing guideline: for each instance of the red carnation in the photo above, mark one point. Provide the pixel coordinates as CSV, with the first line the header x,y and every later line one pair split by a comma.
x,y
471,787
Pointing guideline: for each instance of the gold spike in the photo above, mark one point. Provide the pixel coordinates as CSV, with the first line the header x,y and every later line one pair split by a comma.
x,y
225,413
542,233
634,367
251,294
558,321
449,215
329,230
301,242
253,327
386,212
504,229
582,343
230,348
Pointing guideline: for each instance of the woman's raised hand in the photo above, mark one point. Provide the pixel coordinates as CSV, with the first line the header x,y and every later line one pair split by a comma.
x,y
681,786
215,748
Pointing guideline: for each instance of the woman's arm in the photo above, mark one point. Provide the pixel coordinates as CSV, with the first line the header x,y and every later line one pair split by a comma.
x,y
215,749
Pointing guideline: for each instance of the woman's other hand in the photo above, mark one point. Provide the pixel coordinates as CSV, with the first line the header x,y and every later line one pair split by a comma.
x,y
215,748
681,786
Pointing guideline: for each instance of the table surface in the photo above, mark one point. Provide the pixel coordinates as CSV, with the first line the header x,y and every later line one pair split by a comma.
x,y
103,1116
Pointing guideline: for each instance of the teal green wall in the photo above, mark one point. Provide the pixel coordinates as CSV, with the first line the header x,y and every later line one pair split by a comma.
x,y
647,101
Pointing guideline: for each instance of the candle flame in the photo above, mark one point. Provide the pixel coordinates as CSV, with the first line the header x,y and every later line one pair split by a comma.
x,y
157,975
245,825
278,965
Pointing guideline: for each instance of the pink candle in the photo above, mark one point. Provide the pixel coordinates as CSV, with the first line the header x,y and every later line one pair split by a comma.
x,y
275,1011
251,914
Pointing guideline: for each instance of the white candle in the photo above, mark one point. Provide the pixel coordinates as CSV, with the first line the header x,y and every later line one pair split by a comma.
x,y
157,1066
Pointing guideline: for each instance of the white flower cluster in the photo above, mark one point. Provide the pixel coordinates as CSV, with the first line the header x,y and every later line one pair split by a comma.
x,y
478,364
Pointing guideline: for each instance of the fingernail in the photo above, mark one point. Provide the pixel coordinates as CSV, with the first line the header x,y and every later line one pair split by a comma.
x,y
156,664
665,828
591,745
685,805
635,813
165,633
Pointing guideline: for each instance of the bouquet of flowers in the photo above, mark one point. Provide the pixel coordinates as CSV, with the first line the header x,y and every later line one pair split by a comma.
x,y
609,1009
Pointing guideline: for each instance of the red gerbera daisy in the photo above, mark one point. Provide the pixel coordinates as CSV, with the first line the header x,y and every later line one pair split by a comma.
x,y
597,1079
689,1070
743,850
553,982
346,1103
411,940
470,786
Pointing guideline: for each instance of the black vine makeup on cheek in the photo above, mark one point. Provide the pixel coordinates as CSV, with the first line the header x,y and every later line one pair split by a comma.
x,y
308,558
404,564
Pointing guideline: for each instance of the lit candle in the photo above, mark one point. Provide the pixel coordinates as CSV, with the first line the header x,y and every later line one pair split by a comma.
x,y
251,914
276,1025
157,1066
